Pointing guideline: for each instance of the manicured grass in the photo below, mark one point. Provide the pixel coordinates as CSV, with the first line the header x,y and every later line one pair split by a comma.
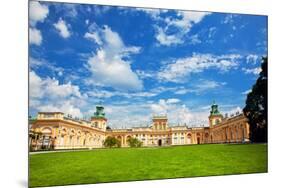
x,y
127,164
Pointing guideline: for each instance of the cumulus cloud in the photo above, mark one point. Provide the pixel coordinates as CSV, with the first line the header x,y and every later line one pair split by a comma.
x,y
129,115
35,36
108,65
179,113
35,85
179,69
140,113
48,95
37,12
51,87
62,28
161,108
66,108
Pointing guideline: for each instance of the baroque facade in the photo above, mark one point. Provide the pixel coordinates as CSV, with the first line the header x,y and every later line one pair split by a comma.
x,y
54,130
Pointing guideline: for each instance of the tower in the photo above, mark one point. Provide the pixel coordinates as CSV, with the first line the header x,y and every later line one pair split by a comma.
x,y
99,120
215,116
160,122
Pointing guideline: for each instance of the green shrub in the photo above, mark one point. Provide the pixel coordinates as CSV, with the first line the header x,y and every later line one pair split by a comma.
x,y
134,142
111,142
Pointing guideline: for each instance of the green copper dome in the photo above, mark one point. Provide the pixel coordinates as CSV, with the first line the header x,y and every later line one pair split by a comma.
x,y
99,112
214,109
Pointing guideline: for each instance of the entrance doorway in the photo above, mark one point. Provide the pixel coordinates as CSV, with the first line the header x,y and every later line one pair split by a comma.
x,y
159,142
198,140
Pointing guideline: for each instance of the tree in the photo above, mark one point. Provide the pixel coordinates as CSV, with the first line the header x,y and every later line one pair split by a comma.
x,y
134,142
256,106
111,142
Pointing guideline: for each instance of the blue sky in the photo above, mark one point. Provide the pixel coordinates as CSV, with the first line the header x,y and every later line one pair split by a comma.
x,y
141,62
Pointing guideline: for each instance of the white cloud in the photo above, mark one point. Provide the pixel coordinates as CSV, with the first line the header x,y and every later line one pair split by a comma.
x,y
35,85
48,95
66,108
35,63
99,10
229,19
140,114
199,87
179,69
212,32
173,101
108,66
165,39
246,92
234,111
50,88
187,19
179,114
145,74
35,36
153,13
252,59
194,39
204,85
182,91
37,12
93,36
254,71
60,73
161,108
70,9
61,26
42,63
183,22
54,89
102,94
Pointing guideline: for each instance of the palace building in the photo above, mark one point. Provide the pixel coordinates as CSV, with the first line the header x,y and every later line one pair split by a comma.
x,y
54,130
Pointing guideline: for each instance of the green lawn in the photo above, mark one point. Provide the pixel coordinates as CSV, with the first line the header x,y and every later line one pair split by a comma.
x,y
127,164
